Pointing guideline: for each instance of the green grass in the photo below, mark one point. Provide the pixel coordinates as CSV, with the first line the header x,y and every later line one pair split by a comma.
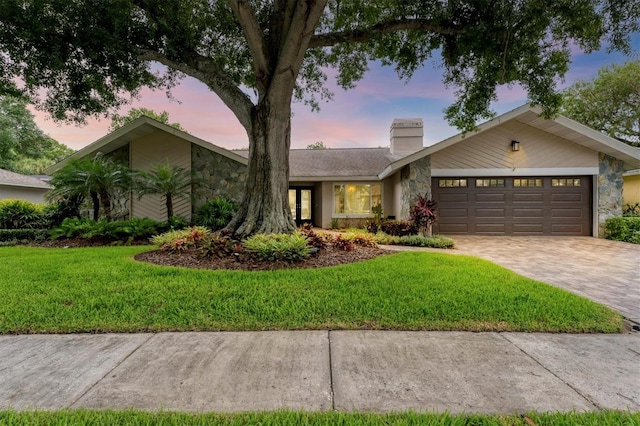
x,y
134,417
104,290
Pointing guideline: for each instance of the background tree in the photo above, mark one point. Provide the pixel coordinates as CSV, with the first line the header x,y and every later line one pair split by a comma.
x,y
167,181
317,145
609,103
82,57
118,121
98,178
24,148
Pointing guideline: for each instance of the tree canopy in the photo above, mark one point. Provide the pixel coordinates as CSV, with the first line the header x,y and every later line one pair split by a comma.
x,y
24,148
610,103
84,57
118,121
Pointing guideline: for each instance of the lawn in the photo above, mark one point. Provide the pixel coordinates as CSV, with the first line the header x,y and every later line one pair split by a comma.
x,y
104,289
133,417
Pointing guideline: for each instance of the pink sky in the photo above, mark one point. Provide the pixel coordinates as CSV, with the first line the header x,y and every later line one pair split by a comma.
x,y
357,118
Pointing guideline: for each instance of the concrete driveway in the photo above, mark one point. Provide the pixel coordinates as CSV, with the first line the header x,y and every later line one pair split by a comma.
x,y
605,271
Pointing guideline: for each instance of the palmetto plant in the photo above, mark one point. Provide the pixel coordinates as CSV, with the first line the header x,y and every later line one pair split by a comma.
x,y
98,178
168,181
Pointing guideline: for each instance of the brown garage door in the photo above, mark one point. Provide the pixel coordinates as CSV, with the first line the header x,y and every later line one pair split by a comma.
x,y
513,206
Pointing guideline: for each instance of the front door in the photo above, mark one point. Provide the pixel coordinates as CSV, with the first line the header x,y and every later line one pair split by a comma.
x,y
301,203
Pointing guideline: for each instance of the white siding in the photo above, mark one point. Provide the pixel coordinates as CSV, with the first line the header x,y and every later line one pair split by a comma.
x,y
492,150
154,149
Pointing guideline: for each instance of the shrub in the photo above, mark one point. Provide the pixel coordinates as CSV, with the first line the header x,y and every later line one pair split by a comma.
x,y
436,241
181,239
72,227
423,213
340,243
121,231
372,226
58,211
398,227
221,244
360,239
216,214
282,247
317,240
18,236
21,214
623,229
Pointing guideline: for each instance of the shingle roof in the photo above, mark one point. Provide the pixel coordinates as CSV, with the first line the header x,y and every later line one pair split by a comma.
x,y
16,179
347,162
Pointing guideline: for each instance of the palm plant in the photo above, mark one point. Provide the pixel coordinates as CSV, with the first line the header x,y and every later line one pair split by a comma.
x,y
98,178
167,181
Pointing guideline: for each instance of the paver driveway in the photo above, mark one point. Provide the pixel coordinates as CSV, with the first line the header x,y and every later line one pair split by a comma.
x,y
602,270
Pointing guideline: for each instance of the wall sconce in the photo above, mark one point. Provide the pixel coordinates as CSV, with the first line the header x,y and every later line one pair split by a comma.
x,y
515,146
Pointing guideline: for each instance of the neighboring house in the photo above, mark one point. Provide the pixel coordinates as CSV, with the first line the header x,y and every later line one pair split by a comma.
x,y
15,185
631,190
518,174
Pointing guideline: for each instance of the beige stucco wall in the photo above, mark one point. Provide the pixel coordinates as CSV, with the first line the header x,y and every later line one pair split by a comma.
x,y
35,195
631,190
149,151
492,150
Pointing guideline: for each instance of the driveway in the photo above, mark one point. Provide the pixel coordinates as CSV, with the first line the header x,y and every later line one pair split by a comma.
x,y
601,270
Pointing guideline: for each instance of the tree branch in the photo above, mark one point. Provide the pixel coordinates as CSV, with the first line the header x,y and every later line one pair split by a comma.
x,y
205,70
255,40
360,35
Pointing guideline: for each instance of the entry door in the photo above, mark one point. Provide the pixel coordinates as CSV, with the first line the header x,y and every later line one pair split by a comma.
x,y
300,202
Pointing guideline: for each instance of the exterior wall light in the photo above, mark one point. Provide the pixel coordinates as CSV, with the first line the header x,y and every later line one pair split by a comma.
x,y
515,146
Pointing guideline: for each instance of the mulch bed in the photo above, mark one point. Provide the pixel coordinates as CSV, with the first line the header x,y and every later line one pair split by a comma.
x,y
194,259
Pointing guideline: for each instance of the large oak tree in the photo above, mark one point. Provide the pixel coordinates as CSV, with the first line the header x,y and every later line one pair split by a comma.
x,y
81,57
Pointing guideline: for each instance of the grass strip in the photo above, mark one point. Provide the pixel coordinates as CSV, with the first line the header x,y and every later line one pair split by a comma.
x,y
104,289
139,418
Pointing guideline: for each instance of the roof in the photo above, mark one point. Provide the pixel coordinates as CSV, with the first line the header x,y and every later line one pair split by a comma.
x,y
560,126
329,164
16,179
136,129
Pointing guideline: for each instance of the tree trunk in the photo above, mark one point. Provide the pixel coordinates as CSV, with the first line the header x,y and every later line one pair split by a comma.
x,y
265,208
169,203
105,201
96,205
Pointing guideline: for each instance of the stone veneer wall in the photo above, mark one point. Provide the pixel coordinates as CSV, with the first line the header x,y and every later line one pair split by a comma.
x,y
219,176
415,179
609,190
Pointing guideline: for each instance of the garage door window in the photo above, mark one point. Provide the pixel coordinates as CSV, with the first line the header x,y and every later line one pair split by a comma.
x,y
565,182
527,182
452,183
480,183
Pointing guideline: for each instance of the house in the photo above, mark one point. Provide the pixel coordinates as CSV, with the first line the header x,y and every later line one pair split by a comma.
x,y
631,188
518,174
23,187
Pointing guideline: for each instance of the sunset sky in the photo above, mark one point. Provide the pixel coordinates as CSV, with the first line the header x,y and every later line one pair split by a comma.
x,y
357,118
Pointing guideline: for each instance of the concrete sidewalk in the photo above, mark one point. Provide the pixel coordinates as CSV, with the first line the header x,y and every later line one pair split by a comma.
x,y
322,370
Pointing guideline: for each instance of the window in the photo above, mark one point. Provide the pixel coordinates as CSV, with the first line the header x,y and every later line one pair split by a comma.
x,y
350,199
565,182
489,183
452,183
527,182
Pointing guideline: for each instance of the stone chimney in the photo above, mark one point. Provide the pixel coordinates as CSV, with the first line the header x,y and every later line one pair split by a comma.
x,y
406,136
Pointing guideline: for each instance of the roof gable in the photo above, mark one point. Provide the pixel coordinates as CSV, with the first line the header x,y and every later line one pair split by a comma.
x,y
561,127
136,129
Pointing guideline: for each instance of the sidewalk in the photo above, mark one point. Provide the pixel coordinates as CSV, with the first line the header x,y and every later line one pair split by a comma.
x,y
322,370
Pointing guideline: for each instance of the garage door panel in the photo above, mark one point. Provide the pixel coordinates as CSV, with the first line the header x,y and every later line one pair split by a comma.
x,y
528,229
498,197
451,213
497,213
516,210
528,212
533,197
490,228
573,213
567,198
